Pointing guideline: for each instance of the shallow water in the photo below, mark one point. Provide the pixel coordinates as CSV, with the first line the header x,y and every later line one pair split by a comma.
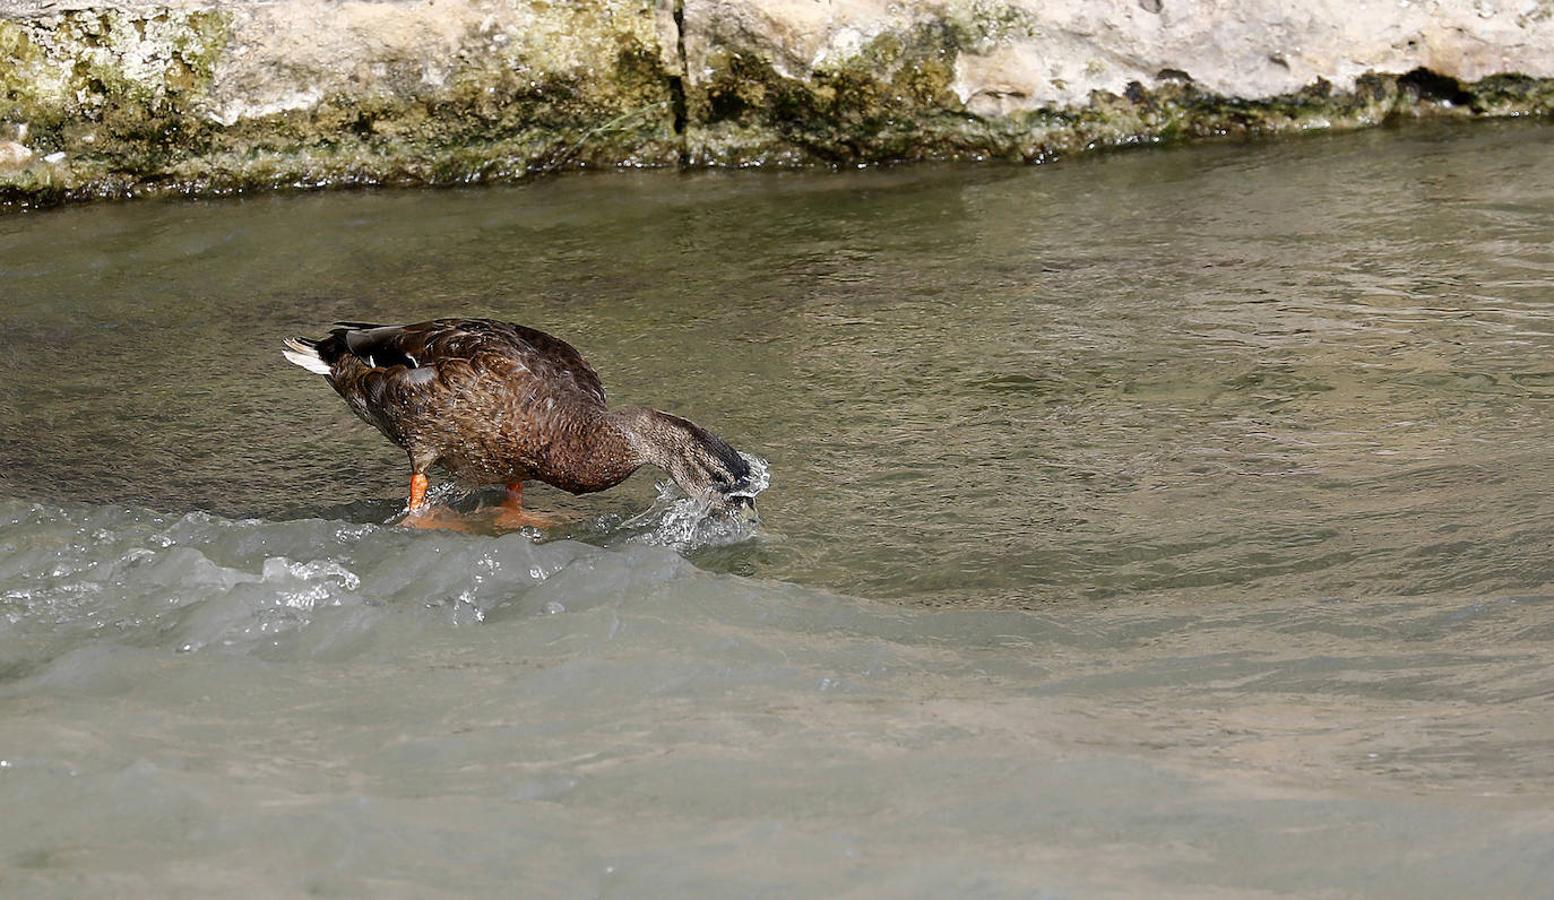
x,y
1171,523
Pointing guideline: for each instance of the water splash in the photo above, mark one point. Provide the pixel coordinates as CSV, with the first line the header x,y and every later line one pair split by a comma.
x,y
685,523
673,520
449,493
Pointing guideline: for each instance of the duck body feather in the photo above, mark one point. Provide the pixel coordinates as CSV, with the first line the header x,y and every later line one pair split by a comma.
x,y
491,402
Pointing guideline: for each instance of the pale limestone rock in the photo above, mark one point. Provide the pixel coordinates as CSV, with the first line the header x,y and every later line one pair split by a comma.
x,y
220,95
293,53
14,154
1030,54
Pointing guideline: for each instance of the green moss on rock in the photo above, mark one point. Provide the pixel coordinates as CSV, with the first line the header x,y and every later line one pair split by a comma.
x,y
892,102
113,104
129,104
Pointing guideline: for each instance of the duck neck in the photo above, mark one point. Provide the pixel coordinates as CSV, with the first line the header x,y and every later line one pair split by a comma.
x,y
648,433
698,460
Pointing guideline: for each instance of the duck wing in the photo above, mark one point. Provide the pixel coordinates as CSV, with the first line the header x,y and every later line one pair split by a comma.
x,y
481,395
391,369
450,345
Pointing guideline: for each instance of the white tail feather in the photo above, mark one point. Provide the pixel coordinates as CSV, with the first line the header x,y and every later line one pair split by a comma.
x,y
302,355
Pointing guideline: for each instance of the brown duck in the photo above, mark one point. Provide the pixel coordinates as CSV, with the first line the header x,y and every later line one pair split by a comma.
x,y
498,403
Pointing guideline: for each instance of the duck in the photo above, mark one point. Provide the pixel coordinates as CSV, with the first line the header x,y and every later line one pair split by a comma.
x,y
497,403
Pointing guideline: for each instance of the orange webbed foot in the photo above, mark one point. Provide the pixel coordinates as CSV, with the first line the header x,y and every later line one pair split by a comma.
x,y
511,515
436,517
425,515
507,519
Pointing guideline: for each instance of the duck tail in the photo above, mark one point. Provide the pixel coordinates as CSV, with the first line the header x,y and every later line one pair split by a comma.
x,y
304,353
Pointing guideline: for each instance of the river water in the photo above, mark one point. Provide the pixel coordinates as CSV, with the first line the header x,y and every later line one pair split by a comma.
x,y
1165,523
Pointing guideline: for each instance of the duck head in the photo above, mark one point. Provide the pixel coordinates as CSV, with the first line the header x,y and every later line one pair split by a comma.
x,y
700,462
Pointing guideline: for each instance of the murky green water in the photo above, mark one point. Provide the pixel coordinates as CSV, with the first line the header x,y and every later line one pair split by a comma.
x,y
1231,465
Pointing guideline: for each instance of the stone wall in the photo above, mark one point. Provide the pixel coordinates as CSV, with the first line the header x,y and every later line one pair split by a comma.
x,y
124,98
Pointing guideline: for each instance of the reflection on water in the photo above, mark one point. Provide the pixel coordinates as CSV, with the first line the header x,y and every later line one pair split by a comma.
x,y
1224,471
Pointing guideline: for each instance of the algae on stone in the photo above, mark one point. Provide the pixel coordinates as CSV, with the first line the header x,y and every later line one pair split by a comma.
x,y
218,96
145,102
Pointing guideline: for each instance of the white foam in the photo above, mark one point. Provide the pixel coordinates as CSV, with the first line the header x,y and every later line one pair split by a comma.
x,y
684,523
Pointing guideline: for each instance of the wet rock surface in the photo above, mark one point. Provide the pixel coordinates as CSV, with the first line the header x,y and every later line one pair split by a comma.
x,y
127,98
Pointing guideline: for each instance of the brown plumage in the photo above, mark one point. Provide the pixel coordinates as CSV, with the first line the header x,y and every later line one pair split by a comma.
x,y
497,403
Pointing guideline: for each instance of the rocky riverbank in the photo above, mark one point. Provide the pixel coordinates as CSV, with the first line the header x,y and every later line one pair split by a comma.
x,y
115,99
